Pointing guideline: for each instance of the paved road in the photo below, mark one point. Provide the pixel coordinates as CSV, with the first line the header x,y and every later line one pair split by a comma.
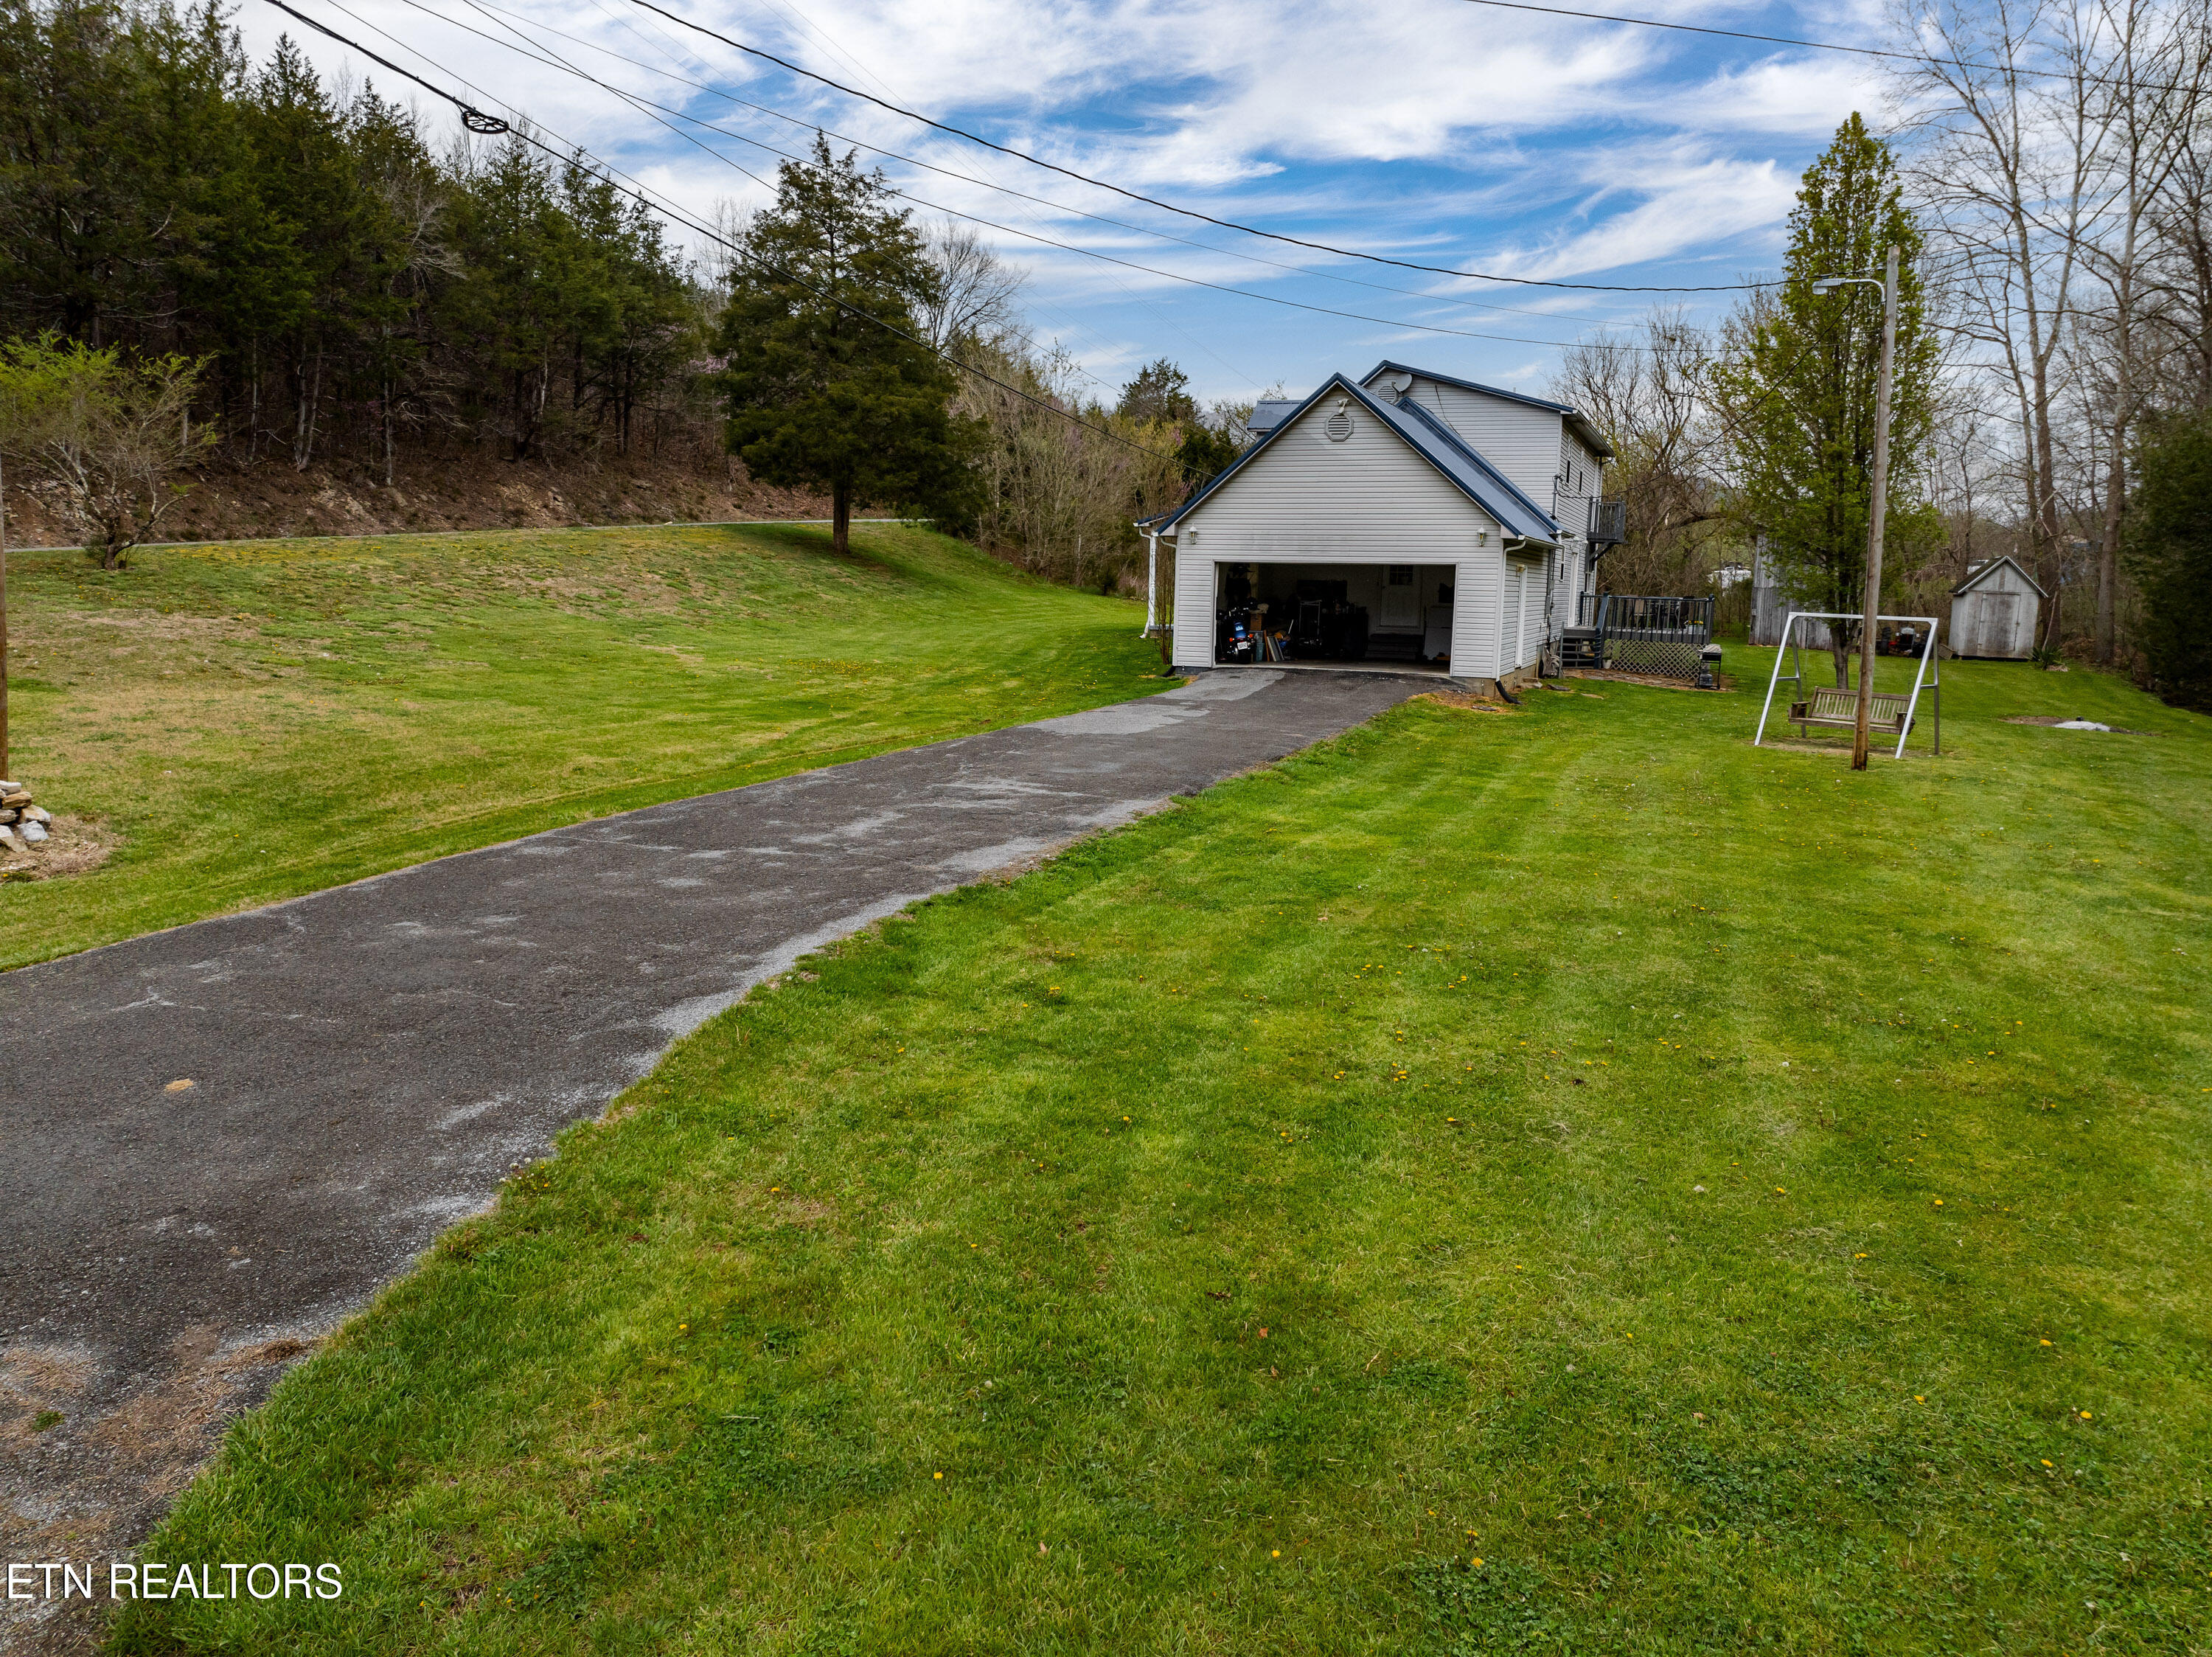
x,y
367,1064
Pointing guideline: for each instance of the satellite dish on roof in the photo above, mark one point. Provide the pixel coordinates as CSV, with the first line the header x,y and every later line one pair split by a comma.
x,y
1402,383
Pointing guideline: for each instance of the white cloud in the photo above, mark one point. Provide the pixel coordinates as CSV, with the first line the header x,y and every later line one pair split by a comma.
x,y
1446,133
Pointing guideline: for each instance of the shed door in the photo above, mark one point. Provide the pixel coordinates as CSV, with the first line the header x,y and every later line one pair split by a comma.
x,y
1997,624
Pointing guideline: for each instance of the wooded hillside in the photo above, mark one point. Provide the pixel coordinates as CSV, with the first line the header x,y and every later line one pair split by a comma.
x,y
356,295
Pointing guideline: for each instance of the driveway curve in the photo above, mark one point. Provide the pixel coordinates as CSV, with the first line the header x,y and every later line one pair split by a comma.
x,y
365,1064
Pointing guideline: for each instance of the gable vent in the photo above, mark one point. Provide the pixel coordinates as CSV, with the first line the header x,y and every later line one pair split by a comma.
x,y
1339,424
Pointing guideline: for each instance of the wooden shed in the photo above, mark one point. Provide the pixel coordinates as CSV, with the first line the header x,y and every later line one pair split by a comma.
x,y
1994,611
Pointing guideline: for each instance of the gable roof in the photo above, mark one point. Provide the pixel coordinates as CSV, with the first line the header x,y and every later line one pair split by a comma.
x,y
1430,438
1975,578
1578,422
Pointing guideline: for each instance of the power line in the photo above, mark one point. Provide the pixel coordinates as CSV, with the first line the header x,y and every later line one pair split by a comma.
x,y
1188,212
492,124
1929,58
991,184
658,112
1005,189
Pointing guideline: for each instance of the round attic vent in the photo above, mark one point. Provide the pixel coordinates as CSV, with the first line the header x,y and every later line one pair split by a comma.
x,y
1339,424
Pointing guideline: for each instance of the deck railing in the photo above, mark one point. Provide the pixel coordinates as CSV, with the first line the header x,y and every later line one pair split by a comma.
x,y
1641,633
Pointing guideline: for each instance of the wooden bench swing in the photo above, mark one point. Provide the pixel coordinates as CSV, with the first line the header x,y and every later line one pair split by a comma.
x,y
1887,712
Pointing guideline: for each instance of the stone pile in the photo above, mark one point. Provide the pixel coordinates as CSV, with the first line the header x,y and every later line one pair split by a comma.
x,y
21,823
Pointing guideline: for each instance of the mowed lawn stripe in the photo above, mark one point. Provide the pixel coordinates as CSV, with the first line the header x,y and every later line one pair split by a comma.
x,y
1738,1203
250,722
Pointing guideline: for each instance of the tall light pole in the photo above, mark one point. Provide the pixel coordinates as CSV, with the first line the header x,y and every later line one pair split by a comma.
x,y
1878,508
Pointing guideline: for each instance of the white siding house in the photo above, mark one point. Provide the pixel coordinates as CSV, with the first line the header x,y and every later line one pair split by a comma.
x,y
1432,504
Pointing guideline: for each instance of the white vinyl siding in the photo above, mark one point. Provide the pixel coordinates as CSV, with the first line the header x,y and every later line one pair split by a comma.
x,y
1524,613
1193,609
1477,596
1522,442
1369,499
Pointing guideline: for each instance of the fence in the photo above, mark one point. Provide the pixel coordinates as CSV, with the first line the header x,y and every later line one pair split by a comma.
x,y
1642,634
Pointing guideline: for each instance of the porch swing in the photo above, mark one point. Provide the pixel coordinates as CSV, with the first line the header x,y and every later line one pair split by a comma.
x,y
1888,713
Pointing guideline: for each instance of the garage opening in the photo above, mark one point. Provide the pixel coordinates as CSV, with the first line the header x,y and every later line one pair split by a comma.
x,y
1342,615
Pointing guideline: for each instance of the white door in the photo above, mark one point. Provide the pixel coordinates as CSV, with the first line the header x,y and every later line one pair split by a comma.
x,y
1399,611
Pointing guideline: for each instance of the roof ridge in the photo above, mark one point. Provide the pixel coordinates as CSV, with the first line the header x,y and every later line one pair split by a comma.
x,y
1606,448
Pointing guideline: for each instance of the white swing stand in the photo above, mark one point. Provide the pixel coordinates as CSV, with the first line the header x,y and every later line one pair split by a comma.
x,y
1889,713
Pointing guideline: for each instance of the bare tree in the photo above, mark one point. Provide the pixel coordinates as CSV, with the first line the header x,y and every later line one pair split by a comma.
x,y
1061,494
111,432
2008,165
979,297
1648,396
2178,277
2144,78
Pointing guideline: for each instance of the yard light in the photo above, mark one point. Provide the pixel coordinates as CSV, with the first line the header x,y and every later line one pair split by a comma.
x,y
1876,508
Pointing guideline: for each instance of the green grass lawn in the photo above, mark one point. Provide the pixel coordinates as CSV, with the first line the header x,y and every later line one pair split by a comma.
x,y
1555,1181
252,721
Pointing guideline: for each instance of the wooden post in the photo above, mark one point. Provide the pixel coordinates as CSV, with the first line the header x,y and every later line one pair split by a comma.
x,y
1876,510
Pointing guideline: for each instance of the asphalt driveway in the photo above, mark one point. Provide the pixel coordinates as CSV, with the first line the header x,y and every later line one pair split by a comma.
x,y
366,1064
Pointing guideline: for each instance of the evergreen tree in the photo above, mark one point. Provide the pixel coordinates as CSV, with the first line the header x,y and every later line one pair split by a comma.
x,y
2169,544
818,394
1795,381
1160,392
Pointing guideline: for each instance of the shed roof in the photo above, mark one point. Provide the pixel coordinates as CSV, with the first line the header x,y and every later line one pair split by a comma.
x,y
1429,437
1982,572
1269,412
1578,422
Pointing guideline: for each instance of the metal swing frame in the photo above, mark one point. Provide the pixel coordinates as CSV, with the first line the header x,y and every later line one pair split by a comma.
x,y
1795,648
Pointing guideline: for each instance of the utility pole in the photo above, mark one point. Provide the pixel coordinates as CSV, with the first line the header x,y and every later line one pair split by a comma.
x,y
1878,508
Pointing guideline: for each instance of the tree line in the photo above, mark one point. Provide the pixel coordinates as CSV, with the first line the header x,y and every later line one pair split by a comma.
x,y
302,279
2047,171
342,286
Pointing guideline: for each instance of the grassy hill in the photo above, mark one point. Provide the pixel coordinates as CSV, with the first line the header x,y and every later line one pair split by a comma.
x,y
251,722
1557,1180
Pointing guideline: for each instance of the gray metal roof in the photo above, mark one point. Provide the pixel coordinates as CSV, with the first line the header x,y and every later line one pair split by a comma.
x,y
1430,438
1982,572
1578,422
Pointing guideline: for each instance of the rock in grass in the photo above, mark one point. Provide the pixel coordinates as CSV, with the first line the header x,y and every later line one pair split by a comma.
x,y
34,833
38,814
10,815
8,840
15,797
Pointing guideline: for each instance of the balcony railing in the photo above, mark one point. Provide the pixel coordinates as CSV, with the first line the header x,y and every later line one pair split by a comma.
x,y
1637,633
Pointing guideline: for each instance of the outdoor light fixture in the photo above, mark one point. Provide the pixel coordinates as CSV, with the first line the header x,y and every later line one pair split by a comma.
x,y
1877,506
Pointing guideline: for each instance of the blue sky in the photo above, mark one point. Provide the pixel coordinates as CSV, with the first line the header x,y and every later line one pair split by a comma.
x,y
1438,131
